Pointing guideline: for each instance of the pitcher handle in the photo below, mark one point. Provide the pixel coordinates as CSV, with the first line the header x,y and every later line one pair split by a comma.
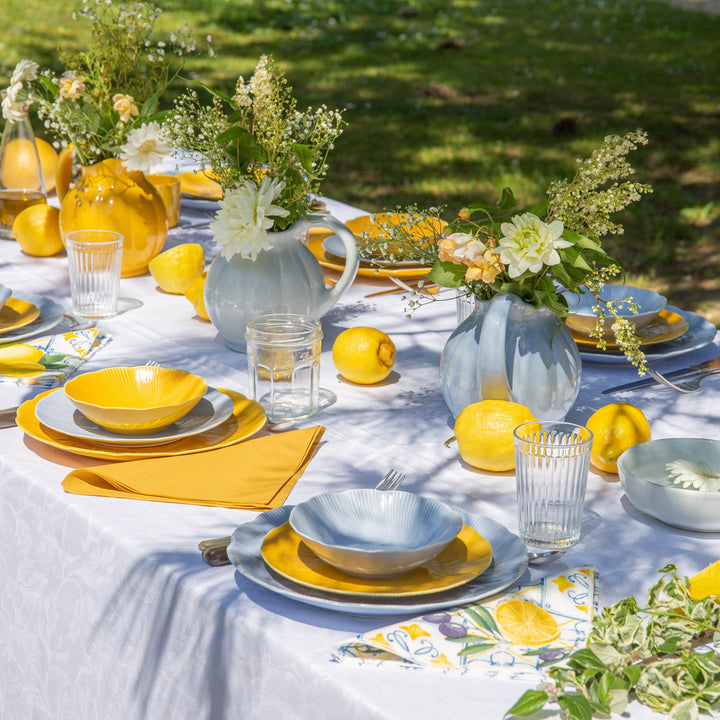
x,y
492,380
330,296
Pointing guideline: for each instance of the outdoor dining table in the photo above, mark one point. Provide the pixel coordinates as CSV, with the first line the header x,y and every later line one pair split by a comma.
x,y
108,611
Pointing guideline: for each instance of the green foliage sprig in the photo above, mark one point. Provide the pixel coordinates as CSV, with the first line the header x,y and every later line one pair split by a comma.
x,y
651,654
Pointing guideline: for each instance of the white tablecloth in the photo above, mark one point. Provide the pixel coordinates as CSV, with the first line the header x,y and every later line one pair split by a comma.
x,y
107,610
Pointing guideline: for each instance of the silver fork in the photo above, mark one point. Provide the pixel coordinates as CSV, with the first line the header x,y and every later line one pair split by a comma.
x,y
214,551
687,386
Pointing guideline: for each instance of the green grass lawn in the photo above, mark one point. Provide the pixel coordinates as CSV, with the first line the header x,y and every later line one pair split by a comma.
x,y
448,101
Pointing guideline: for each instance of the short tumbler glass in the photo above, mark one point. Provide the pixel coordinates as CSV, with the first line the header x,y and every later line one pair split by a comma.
x,y
94,262
552,460
283,354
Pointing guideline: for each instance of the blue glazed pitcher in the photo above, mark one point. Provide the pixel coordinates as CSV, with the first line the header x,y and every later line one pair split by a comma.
x,y
287,278
508,350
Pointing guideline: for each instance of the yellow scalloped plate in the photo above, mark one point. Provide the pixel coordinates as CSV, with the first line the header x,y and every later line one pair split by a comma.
x,y
466,557
199,185
17,313
667,326
333,262
248,418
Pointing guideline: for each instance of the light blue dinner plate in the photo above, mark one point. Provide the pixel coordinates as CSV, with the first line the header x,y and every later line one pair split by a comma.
x,y
58,413
509,563
50,315
700,333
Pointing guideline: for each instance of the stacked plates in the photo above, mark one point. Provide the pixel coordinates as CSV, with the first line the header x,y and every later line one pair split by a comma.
x,y
329,251
483,559
23,315
673,332
220,418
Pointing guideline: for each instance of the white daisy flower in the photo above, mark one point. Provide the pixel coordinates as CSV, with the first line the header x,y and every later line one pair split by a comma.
x,y
694,475
146,147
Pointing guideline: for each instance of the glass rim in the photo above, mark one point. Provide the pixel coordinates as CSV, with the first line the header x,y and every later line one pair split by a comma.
x,y
283,329
582,432
113,237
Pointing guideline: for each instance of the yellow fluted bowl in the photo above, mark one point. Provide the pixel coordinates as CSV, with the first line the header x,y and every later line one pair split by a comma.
x,y
135,400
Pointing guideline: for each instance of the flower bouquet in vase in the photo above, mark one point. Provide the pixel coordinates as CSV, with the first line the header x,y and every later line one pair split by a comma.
x,y
104,110
519,265
270,158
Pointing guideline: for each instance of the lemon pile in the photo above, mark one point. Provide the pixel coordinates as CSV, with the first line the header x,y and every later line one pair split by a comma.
x,y
363,355
37,230
176,269
615,428
484,433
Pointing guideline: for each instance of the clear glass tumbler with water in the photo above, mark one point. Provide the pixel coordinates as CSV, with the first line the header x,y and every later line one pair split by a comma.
x,y
283,352
552,461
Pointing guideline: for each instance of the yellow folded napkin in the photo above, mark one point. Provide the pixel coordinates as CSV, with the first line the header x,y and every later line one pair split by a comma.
x,y
257,474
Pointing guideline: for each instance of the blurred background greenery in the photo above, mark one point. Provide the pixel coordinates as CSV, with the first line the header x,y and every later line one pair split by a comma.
x,y
448,101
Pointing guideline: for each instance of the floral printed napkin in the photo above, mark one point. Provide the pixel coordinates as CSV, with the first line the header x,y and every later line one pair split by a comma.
x,y
62,355
515,635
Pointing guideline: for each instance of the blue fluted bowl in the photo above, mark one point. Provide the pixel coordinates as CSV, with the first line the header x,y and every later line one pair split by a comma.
x,y
582,319
374,533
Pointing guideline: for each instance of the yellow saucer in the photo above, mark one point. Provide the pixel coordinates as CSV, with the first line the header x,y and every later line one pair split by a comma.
x,y
466,557
199,185
248,418
333,262
667,326
16,313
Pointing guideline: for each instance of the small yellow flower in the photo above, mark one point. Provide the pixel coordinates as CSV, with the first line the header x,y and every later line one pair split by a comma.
x,y
486,268
125,105
71,85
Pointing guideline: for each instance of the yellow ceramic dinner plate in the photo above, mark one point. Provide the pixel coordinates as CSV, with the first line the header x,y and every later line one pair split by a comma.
x,y
248,418
199,185
333,262
667,326
16,313
466,557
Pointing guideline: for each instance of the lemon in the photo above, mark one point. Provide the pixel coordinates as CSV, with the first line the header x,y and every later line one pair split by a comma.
x,y
484,433
176,269
615,428
37,230
48,162
523,622
64,170
706,582
196,295
363,355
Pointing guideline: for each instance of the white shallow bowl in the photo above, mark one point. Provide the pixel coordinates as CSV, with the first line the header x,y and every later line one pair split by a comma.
x,y
374,533
650,489
582,320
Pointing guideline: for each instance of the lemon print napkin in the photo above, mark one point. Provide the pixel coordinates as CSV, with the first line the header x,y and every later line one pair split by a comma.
x,y
257,474
45,362
515,635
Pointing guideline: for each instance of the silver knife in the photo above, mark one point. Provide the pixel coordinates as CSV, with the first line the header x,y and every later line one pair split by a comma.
x,y
712,365
8,417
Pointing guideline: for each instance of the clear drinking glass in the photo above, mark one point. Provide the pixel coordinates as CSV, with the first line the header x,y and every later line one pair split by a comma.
x,y
283,353
94,261
552,460
465,303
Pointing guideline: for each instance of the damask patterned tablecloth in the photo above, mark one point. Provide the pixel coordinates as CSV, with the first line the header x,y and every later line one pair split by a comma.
x,y
107,610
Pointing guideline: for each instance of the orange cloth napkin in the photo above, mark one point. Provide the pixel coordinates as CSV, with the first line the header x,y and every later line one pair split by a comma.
x,y
257,474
